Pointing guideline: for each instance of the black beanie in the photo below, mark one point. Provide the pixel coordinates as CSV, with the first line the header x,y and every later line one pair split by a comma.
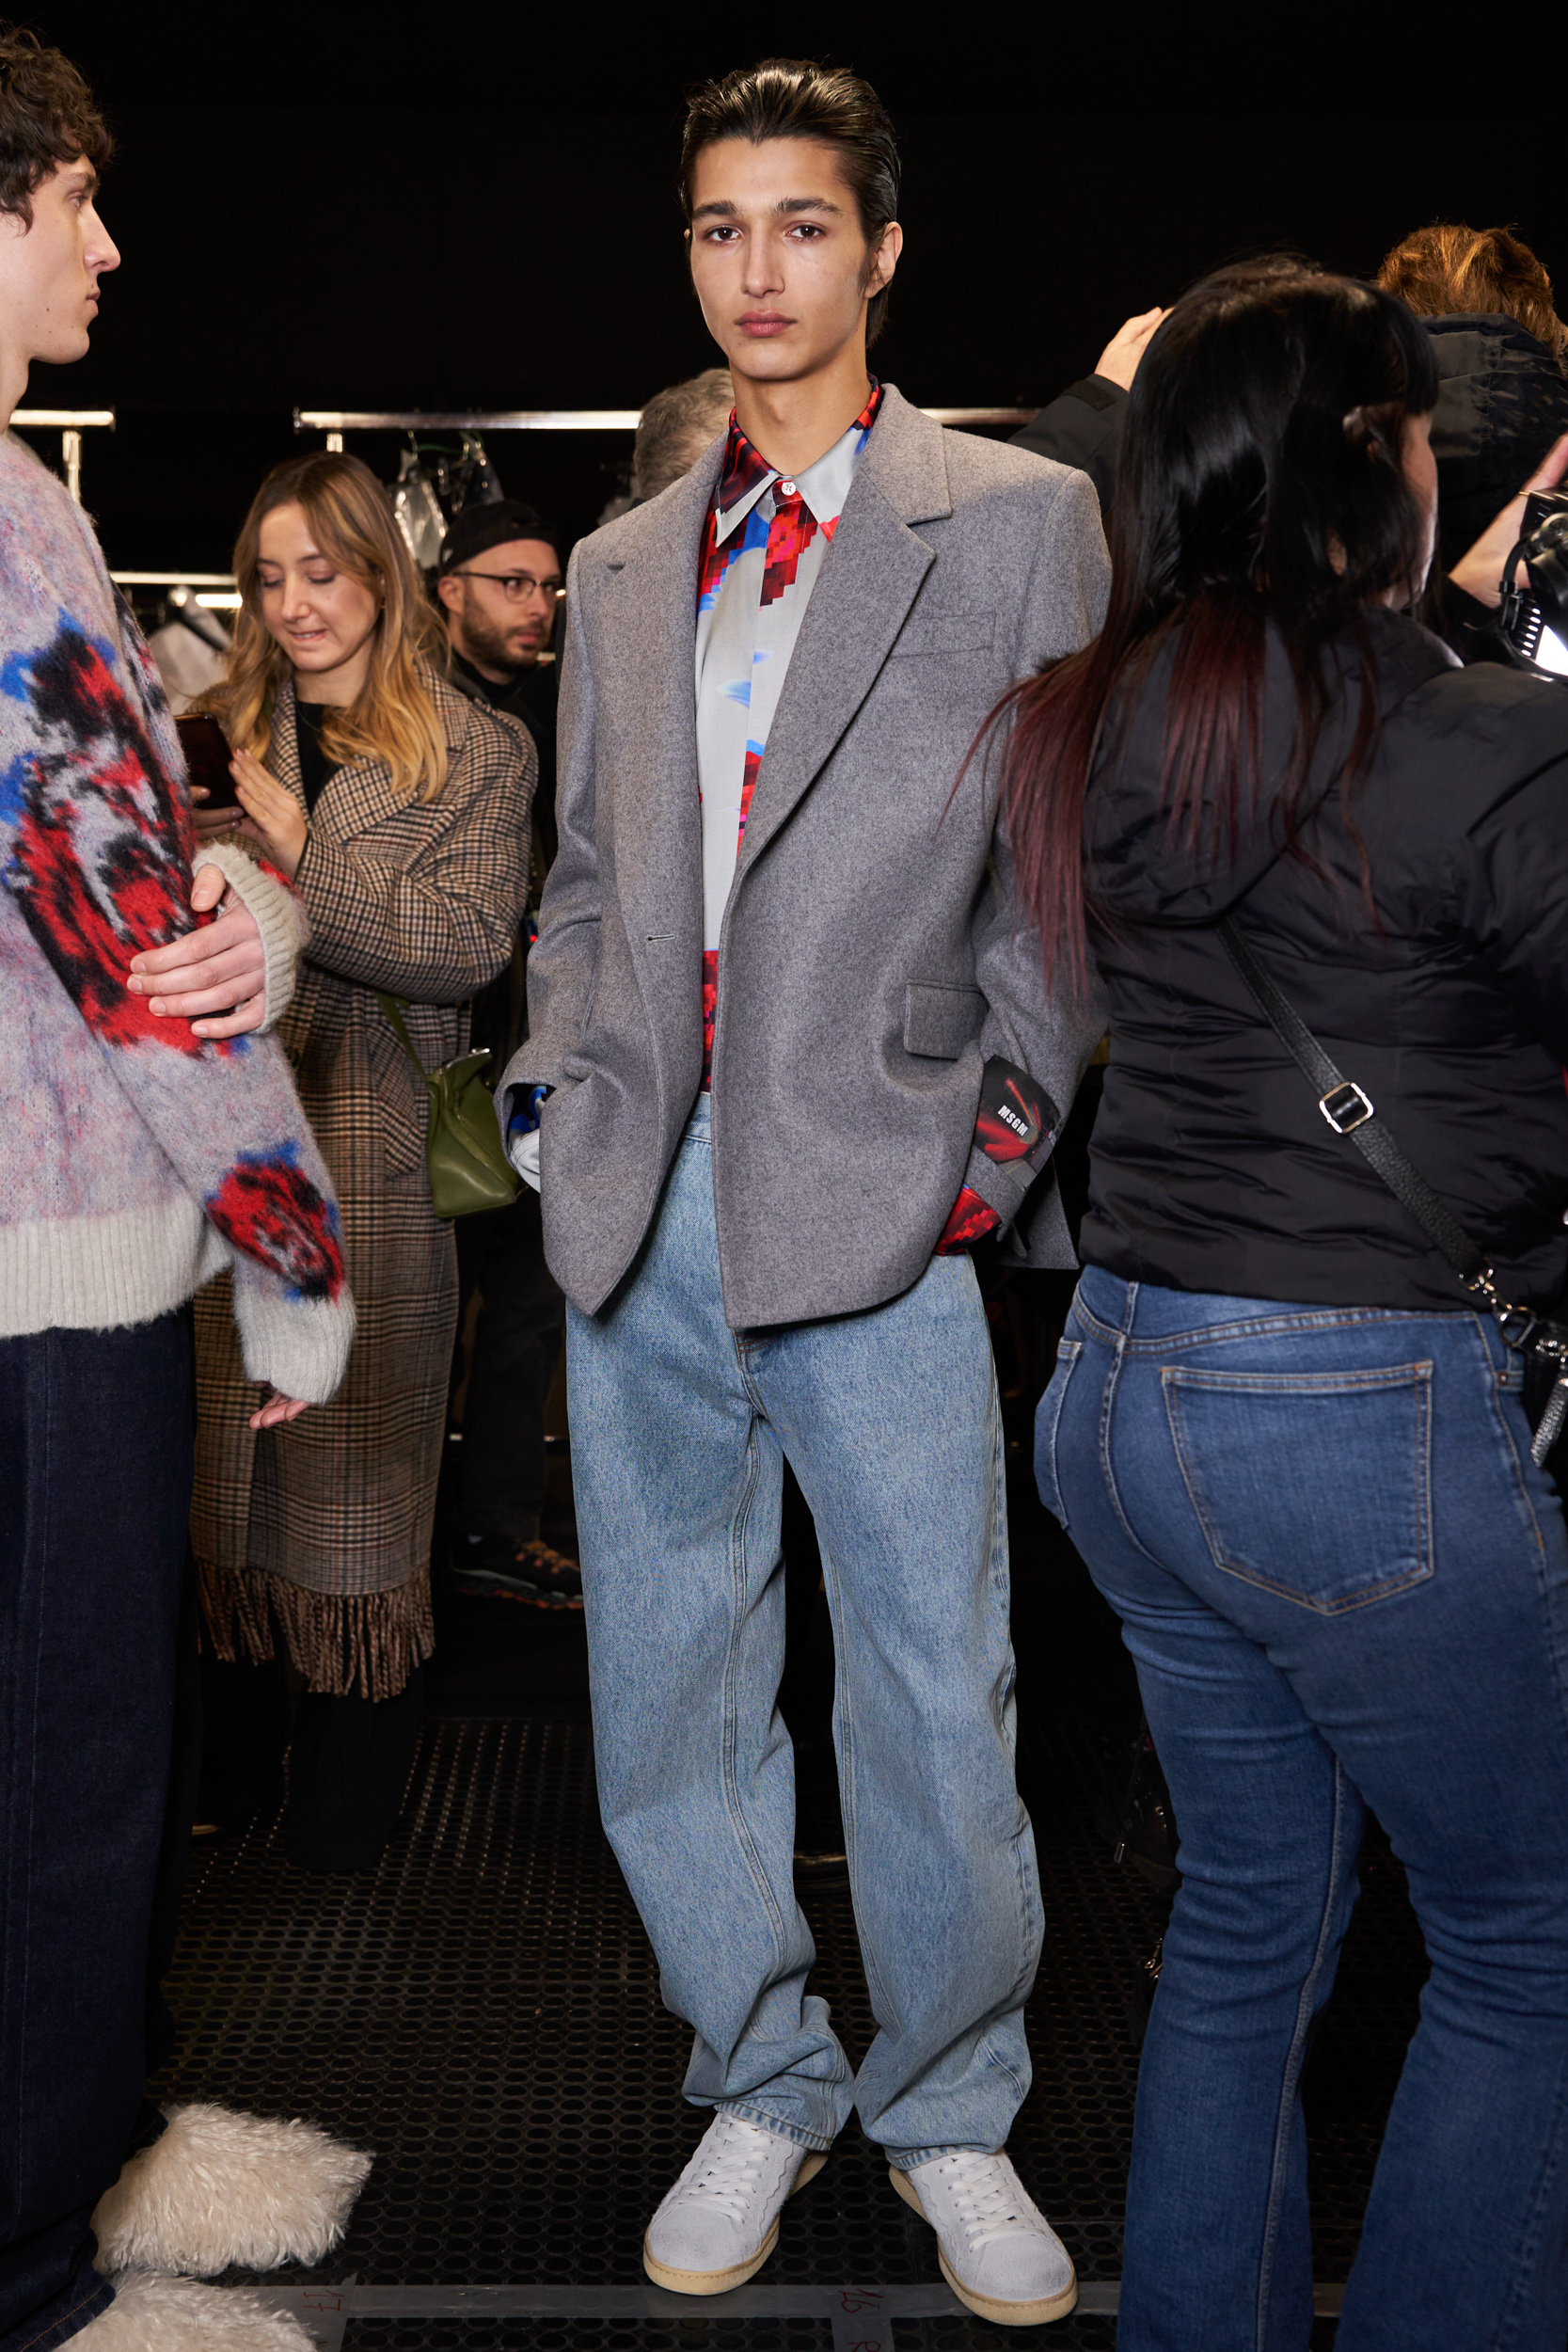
x,y
490,525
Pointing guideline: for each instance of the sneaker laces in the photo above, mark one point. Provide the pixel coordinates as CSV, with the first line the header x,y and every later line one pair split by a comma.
x,y
730,2168
990,2201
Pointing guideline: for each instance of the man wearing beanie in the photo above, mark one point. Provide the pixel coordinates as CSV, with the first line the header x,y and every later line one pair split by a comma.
x,y
499,583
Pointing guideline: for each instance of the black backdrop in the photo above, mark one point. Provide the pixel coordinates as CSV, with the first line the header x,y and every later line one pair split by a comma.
x,y
369,209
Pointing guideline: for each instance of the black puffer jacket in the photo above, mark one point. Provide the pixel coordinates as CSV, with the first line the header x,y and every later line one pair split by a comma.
x,y
1501,404
1212,1168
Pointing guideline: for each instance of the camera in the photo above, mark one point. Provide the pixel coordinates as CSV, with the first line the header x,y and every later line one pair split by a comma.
x,y
1533,621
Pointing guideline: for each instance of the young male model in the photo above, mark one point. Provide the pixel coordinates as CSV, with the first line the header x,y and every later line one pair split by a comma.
x,y
142,1148
784,1021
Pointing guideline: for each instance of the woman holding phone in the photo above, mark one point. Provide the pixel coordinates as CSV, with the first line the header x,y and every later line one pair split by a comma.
x,y
1288,1440
399,810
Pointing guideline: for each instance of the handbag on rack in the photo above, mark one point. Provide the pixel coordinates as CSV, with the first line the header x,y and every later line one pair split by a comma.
x,y
417,510
463,1153
1350,1111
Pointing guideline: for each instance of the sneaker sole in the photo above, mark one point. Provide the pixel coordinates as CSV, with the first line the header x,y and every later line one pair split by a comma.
x,y
986,2305
721,2281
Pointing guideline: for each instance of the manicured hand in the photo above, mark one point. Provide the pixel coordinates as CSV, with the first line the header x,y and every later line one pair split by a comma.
x,y
277,1409
273,817
1480,570
1118,361
219,972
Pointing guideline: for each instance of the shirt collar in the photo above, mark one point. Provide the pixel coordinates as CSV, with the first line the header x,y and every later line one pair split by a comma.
x,y
824,486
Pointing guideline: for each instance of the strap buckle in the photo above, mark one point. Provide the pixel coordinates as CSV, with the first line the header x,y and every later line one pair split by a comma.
x,y
1346,1107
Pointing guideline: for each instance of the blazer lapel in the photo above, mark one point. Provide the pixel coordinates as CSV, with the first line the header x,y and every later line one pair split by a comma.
x,y
872,576
283,750
647,659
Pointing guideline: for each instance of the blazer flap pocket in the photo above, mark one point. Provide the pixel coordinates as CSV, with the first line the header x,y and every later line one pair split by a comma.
x,y
942,631
940,1019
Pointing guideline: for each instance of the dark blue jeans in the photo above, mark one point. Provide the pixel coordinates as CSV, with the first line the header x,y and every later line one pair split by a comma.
x,y
1344,1585
95,1483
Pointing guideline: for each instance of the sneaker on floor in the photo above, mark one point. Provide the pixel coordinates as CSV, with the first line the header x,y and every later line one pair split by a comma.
x,y
497,1567
998,2252
720,2221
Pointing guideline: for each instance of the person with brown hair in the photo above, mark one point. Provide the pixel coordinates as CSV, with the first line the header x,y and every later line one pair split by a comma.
x,y
149,1134
795,1055
399,809
1486,301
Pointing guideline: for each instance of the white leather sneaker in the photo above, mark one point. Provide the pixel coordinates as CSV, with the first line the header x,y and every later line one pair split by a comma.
x,y
719,2223
998,2252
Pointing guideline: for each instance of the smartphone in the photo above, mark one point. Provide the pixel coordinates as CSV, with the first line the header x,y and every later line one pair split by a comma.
x,y
207,757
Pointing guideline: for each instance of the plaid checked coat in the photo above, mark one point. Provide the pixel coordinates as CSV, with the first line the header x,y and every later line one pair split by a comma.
x,y
326,1522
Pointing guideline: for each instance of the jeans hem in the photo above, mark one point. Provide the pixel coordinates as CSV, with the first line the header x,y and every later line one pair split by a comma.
x,y
906,2159
65,2324
749,2112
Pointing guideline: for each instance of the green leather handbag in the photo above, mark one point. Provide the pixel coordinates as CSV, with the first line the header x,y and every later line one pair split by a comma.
x,y
463,1153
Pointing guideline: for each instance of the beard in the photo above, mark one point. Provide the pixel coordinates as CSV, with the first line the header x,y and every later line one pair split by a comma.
x,y
487,643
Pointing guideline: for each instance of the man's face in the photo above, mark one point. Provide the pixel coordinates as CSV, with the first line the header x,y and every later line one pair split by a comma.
x,y
49,272
778,260
501,605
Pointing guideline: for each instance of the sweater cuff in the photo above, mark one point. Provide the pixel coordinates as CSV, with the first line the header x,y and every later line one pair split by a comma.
x,y
301,1345
278,915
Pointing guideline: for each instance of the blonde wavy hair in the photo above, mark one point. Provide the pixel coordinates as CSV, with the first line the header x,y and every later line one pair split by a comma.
x,y
395,718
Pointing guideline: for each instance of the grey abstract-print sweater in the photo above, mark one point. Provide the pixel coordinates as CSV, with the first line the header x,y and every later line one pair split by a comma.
x,y
137,1159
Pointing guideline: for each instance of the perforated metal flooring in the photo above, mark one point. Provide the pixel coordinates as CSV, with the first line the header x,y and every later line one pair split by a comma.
x,y
483,2012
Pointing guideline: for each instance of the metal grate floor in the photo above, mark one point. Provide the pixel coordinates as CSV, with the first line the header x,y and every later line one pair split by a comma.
x,y
484,2012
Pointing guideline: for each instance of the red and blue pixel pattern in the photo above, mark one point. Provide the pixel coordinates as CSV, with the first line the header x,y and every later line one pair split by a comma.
x,y
783,538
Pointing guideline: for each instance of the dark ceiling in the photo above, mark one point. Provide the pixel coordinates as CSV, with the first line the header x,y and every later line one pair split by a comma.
x,y
378,210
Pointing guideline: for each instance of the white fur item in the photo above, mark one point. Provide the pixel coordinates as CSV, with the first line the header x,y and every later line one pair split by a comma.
x,y
219,2187
152,2313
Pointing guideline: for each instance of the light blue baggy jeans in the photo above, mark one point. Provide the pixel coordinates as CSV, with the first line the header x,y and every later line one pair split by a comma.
x,y
680,1429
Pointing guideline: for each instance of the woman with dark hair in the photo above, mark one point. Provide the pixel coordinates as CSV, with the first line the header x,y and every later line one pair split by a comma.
x,y
1291,1447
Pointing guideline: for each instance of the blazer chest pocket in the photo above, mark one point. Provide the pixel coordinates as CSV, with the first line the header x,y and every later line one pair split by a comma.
x,y
939,1020
940,633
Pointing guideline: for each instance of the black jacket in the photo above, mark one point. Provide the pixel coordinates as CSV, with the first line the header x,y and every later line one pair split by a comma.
x,y
1212,1168
1082,427
1502,400
1501,404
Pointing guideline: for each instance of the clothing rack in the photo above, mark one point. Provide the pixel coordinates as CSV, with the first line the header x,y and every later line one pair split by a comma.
x,y
71,423
218,591
335,423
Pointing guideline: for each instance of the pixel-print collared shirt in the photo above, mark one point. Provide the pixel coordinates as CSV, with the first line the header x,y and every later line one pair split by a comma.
x,y
768,536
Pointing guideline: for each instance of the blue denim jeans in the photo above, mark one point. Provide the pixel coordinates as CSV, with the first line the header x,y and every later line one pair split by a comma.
x,y
1344,1585
680,1431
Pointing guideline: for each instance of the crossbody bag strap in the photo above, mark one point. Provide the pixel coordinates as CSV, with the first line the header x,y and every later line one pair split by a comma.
x,y
1351,1113
390,1006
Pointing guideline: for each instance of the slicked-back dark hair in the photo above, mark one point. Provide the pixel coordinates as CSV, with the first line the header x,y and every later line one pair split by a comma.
x,y
1261,481
48,117
794,97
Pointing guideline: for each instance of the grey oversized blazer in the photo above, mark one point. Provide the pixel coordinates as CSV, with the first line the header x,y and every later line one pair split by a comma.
x,y
871,957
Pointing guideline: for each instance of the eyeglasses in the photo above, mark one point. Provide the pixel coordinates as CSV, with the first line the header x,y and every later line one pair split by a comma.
x,y
516,587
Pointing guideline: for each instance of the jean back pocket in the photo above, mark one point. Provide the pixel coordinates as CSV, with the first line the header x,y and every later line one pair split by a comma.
x,y
1316,1486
